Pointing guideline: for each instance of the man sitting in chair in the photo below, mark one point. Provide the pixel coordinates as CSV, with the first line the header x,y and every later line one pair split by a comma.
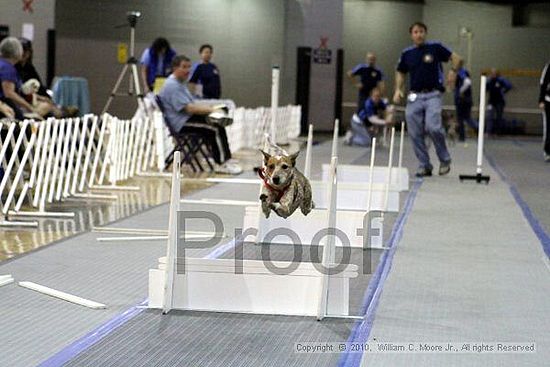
x,y
364,124
185,115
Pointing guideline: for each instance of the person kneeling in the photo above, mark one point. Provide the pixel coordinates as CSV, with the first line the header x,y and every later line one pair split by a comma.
x,y
188,116
365,123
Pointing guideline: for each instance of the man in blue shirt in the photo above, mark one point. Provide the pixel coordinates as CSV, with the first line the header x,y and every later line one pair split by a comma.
x,y
206,74
423,113
373,113
185,115
369,77
463,100
497,87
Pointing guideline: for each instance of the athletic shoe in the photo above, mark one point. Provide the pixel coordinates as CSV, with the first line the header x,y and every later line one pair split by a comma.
x,y
348,137
229,168
546,157
423,172
444,168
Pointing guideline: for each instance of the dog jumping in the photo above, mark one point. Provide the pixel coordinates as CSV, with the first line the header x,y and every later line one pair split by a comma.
x,y
285,188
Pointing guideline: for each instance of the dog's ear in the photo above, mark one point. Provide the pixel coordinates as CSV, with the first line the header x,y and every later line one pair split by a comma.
x,y
293,157
266,156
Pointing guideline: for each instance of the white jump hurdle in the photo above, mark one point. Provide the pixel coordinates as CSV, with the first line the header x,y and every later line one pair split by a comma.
x,y
358,173
351,195
215,285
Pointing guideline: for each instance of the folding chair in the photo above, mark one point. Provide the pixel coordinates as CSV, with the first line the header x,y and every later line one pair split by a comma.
x,y
191,145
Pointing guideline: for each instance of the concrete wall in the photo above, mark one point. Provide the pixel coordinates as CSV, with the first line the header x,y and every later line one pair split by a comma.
x,y
250,35
495,42
378,26
12,15
247,35
382,26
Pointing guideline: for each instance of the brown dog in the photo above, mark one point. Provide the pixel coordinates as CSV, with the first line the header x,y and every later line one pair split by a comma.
x,y
285,188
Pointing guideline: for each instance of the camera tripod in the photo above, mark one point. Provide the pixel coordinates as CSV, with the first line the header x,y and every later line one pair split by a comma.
x,y
131,65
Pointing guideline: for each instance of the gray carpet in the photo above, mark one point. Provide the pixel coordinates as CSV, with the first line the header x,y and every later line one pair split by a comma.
x,y
219,339
521,160
468,269
116,274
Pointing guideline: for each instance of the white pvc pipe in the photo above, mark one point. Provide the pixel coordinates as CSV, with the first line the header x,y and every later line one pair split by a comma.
x,y
127,148
87,156
35,158
42,160
130,142
98,149
390,163
274,101
228,202
78,162
307,166
108,153
334,152
136,131
13,157
401,141
371,172
57,158
62,295
329,243
148,142
481,129
70,166
6,142
19,172
171,247
5,281
66,146
48,172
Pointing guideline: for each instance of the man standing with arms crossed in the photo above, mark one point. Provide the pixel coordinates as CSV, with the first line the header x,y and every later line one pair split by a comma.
x,y
423,113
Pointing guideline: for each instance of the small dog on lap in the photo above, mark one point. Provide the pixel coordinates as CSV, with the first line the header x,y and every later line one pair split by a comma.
x,y
285,188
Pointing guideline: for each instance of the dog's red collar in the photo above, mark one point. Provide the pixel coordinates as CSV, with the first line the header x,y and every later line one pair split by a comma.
x,y
280,192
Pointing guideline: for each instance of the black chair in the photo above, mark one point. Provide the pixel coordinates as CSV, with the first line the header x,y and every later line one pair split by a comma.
x,y
191,145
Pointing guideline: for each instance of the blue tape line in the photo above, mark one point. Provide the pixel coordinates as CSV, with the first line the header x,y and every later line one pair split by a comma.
x,y
85,342
77,347
221,250
361,329
527,213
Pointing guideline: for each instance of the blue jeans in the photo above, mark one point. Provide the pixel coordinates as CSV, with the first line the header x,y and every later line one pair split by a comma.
x,y
464,114
361,135
495,121
423,116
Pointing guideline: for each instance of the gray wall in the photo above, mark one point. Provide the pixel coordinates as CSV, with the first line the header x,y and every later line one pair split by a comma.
x,y
247,35
378,26
382,26
495,42
250,35
12,15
